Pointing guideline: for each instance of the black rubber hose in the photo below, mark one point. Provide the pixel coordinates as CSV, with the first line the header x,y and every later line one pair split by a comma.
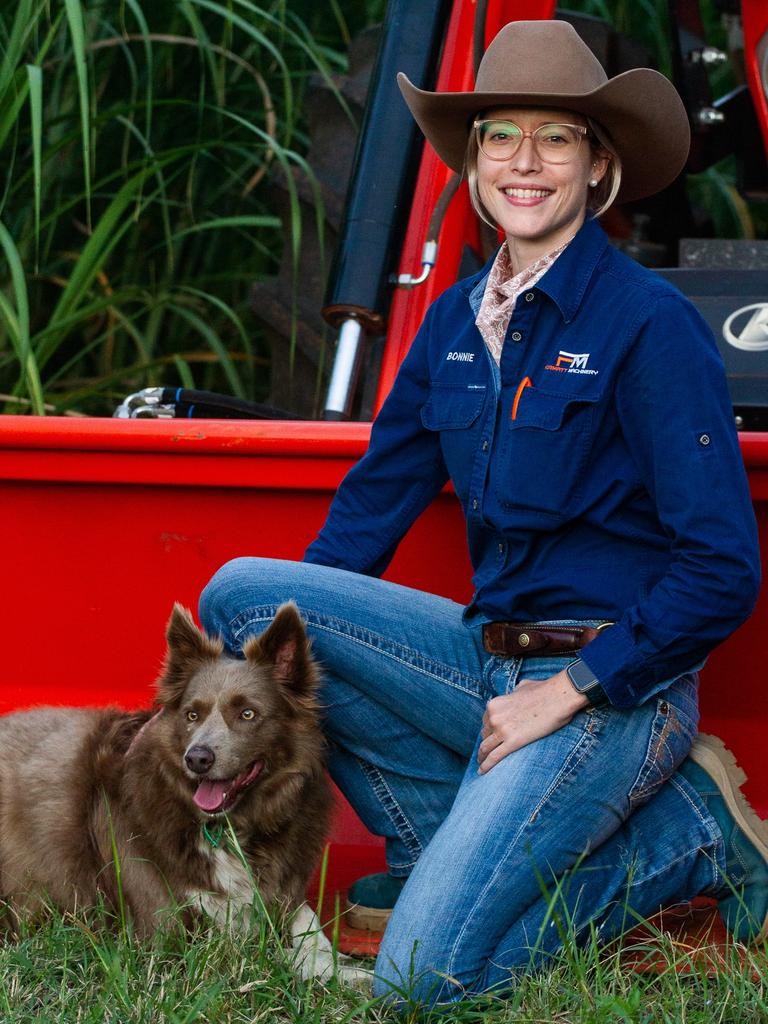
x,y
192,404
478,36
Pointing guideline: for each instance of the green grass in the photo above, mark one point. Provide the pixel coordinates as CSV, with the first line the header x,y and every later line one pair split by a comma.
x,y
67,970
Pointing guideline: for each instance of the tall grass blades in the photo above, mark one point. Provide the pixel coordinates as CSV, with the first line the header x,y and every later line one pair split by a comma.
x,y
135,144
71,969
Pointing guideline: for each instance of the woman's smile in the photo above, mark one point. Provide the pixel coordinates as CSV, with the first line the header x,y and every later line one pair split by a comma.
x,y
525,195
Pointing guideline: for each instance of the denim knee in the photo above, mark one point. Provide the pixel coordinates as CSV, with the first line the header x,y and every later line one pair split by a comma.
x,y
244,584
213,610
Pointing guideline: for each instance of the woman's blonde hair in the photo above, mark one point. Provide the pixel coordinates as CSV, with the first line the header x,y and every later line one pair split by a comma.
x,y
599,198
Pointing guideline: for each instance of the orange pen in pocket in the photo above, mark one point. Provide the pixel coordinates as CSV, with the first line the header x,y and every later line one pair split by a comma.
x,y
526,382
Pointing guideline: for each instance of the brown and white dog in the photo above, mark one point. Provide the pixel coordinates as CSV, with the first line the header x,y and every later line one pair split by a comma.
x,y
233,747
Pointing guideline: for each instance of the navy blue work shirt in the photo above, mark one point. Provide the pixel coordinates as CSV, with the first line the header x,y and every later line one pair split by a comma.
x,y
598,467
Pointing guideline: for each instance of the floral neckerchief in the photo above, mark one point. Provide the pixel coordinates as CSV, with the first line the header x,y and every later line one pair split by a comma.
x,y
501,293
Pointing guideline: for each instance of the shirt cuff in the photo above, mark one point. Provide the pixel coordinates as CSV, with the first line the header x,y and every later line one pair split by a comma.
x,y
615,660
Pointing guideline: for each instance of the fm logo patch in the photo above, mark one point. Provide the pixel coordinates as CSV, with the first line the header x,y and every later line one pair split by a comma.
x,y
572,362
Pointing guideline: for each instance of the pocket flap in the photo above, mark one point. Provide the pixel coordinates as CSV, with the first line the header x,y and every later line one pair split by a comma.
x,y
546,410
452,406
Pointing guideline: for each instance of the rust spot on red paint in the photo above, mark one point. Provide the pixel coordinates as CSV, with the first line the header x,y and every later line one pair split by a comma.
x,y
172,541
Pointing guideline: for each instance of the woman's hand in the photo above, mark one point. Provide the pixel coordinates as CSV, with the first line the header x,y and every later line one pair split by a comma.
x,y
536,708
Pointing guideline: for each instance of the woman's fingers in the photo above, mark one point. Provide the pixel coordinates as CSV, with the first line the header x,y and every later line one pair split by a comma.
x,y
493,756
536,708
490,742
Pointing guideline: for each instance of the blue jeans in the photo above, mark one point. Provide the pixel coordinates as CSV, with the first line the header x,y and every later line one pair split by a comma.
x,y
593,812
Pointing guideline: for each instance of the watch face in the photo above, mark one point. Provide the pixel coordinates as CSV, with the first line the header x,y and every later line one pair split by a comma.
x,y
581,675
586,683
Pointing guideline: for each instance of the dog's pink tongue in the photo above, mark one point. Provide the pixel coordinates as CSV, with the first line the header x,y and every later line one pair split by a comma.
x,y
211,794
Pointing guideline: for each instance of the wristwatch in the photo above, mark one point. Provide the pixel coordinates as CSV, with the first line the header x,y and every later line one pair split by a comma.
x,y
586,682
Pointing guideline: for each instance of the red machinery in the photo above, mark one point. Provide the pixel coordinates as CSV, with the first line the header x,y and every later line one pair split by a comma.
x,y
106,523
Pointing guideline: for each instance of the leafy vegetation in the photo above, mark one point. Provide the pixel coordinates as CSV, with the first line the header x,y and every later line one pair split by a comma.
x,y
136,140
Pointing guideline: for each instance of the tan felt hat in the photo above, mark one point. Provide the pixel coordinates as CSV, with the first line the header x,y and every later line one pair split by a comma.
x,y
547,64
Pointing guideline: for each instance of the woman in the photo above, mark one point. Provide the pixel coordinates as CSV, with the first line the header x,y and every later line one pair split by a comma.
x,y
588,433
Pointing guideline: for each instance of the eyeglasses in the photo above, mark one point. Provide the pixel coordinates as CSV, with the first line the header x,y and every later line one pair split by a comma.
x,y
554,143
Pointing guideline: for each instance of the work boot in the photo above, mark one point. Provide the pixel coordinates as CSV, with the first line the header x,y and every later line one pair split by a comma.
x,y
370,901
743,903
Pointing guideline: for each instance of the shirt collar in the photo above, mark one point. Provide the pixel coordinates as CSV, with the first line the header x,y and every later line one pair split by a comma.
x,y
566,280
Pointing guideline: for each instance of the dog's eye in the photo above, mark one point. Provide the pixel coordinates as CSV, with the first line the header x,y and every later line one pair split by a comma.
x,y
192,716
248,714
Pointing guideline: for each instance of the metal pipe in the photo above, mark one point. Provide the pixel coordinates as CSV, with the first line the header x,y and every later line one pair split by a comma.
x,y
428,260
346,369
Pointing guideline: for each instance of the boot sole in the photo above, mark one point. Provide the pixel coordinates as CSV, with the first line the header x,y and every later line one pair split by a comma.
x,y
368,919
711,754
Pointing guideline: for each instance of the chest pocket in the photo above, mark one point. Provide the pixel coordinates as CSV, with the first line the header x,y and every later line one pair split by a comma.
x,y
544,452
453,410
452,406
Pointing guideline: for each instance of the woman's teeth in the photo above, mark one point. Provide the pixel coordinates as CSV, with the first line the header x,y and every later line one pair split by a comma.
x,y
526,193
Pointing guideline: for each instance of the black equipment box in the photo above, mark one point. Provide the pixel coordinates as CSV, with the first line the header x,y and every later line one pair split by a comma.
x,y
735,305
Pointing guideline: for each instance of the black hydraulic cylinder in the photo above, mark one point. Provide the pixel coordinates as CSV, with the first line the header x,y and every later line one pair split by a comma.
x,y
385,166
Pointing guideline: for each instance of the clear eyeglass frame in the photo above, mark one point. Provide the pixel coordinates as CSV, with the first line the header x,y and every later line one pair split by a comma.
x,y
514,145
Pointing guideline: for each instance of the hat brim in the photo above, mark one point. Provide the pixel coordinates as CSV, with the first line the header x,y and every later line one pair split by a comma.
x,y
640,110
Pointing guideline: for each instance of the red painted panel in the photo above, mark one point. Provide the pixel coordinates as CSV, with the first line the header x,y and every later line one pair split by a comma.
x,y
733,687
755,21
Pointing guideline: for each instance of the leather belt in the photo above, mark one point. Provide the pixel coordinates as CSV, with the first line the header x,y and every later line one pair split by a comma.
x,y
536,640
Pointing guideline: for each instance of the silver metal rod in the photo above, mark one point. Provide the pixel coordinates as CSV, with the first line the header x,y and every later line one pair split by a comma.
x,y
346,368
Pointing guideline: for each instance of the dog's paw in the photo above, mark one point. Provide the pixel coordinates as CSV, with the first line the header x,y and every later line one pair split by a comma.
x,y
348,973
313,955
322,965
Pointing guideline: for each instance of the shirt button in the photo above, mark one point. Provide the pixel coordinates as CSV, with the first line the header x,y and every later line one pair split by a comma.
x,y
529,296
501,549
704,439
516,336
485,446
474,504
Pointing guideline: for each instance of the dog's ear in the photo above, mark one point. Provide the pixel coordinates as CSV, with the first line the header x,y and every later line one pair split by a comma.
x,y
188,648
285,645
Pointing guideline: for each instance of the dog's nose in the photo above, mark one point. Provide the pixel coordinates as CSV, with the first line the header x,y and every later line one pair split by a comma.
x,y
199,759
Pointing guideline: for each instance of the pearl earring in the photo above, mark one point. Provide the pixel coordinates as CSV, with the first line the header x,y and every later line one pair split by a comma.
x,y
593,182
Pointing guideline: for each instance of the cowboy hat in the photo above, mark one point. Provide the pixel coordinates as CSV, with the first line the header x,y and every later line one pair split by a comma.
x,y
547,64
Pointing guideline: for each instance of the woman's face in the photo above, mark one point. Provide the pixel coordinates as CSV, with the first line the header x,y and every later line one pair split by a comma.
x,y
538,205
